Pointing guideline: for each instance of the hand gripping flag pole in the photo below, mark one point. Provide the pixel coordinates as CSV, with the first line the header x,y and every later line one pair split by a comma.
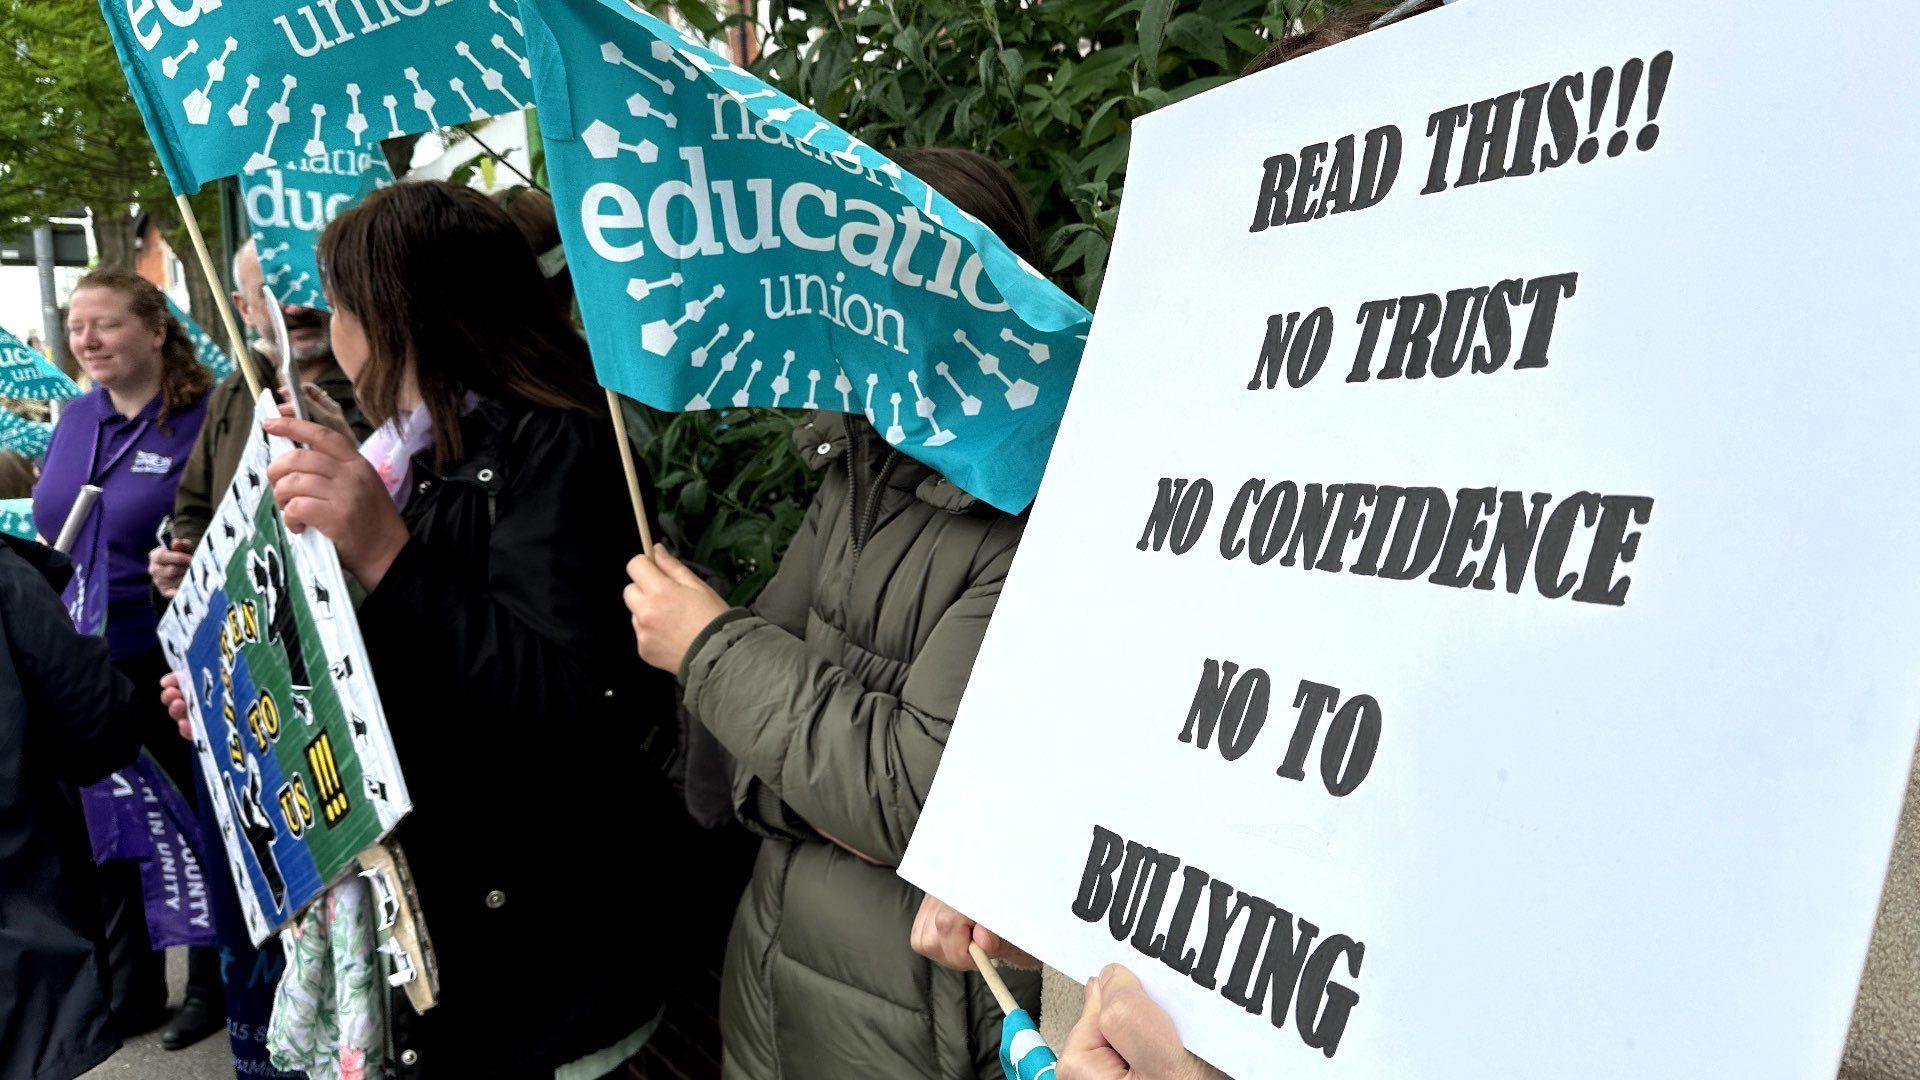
x,y
1024,1055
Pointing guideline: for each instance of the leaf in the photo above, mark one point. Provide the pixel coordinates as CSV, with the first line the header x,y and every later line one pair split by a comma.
x,y
907,43
1153,30
700,17
1101,112
1015,64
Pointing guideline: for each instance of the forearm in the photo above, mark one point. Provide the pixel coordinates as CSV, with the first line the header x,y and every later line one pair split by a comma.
x,y
853,763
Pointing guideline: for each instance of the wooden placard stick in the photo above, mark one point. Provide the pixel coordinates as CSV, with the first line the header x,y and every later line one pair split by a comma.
x,y
994,982
633,473
408,928
236,343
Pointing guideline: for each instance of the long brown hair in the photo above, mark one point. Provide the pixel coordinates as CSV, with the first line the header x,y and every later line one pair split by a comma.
x,y
447,288
982,187
531,211
183,380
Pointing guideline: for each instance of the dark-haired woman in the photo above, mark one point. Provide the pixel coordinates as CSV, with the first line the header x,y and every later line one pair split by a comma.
x,y
487,519
835,691
130,436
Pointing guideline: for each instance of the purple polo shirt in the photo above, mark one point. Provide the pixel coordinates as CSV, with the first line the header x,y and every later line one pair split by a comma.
x,y
137,463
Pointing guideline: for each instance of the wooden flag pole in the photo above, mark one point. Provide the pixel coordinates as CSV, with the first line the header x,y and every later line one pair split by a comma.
x,y
235,342
994,982
633,474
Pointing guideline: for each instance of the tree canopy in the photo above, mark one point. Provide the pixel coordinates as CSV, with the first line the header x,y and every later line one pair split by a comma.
x,y
71,136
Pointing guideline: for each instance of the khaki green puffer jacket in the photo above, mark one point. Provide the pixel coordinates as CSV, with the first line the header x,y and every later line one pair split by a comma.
x,y
835,692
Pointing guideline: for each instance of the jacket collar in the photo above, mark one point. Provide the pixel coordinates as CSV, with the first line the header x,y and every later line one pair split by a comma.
x,y
333,380
486,429
823,437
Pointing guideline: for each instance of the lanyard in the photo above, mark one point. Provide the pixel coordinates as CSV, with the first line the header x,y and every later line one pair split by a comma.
x,y
94,474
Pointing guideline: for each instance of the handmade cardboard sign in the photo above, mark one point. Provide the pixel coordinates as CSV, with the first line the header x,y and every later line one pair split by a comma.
x,y
1463,630
287,725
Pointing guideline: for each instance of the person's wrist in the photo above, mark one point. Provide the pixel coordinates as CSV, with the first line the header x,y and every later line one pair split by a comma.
x,y
371,568
724,616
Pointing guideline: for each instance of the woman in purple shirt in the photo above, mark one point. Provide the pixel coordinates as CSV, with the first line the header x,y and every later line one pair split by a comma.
x,y
130,436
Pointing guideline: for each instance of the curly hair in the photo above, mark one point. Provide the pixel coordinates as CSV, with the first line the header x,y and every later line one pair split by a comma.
x,y
183,379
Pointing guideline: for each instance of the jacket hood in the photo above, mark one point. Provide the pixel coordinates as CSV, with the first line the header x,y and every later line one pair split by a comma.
x,y
821,438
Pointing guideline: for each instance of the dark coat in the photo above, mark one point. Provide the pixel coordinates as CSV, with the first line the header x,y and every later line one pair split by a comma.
x,y
835,692
545,837
66,716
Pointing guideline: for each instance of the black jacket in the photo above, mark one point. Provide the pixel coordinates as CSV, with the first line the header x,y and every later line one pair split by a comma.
x,y
545,836
66,716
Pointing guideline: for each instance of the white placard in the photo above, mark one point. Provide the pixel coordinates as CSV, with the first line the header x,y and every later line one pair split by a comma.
x,y
1635,828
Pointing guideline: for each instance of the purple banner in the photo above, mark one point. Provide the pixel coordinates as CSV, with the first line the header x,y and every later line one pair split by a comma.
x,y
137,814
86,594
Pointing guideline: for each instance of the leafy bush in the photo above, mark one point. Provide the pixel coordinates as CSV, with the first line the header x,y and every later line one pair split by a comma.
x,y
732,489
1049,87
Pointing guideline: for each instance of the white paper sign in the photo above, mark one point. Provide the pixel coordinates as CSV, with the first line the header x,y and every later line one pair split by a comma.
x,y
1575,680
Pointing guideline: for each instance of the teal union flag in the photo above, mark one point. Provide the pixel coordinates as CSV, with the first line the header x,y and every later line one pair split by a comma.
x,y
16,518
238,86
28,438
288,208
1024,1055
731,247
24,373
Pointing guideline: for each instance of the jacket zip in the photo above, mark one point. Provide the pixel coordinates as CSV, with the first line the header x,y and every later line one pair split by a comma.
x,y
863,525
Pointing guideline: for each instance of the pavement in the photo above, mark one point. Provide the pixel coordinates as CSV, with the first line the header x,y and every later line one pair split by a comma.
x,y
143,1059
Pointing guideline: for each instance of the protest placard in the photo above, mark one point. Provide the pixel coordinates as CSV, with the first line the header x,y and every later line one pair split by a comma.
x,y
287,725
1462,631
